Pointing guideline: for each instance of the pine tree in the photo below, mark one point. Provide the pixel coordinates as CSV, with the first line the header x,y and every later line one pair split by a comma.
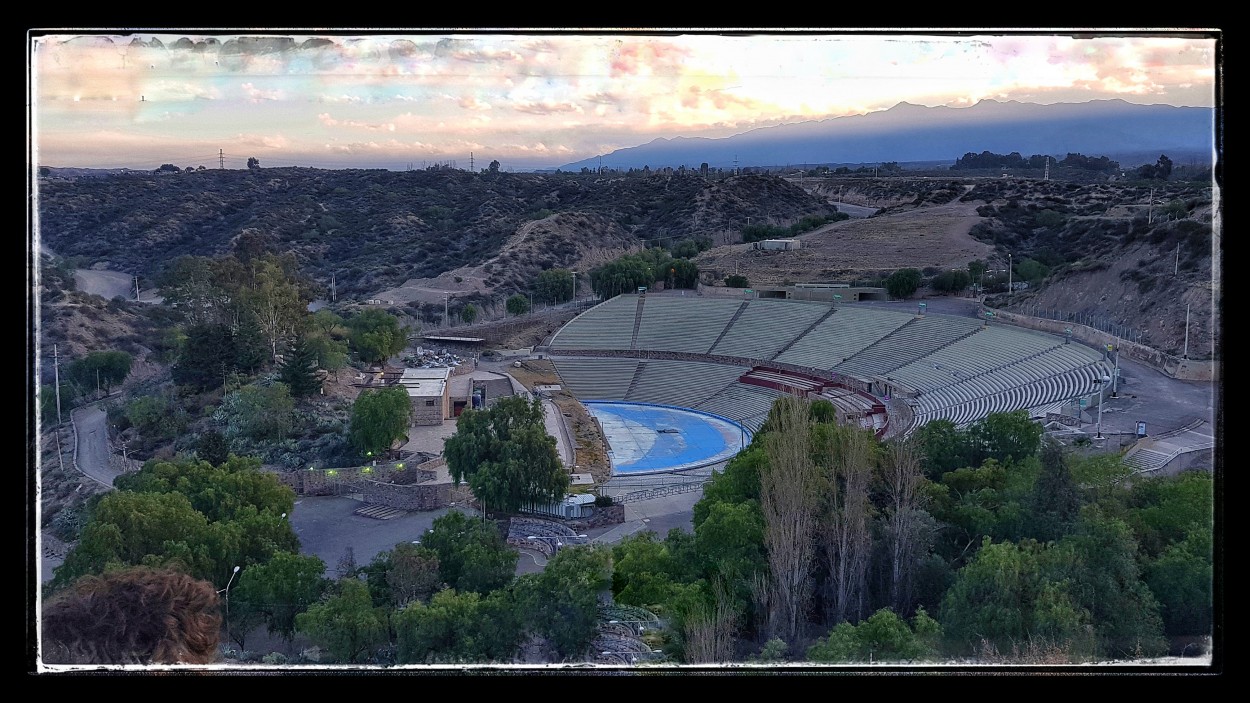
x,y
299,370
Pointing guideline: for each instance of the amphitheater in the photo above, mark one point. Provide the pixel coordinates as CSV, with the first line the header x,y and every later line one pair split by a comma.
x,y
884,370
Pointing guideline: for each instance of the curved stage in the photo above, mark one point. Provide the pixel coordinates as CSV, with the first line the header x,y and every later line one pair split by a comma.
x,y
639,443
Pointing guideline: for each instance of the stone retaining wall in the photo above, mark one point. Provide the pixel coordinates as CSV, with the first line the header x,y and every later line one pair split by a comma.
x,y
1182,369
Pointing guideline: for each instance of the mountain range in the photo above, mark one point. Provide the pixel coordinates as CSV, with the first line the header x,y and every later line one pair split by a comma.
x,y
910,133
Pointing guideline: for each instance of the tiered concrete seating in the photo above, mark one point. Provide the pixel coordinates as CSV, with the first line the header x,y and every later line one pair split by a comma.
x,y
682,383
609,325
683,324
844,334
766,326
740,401
591,378
915,340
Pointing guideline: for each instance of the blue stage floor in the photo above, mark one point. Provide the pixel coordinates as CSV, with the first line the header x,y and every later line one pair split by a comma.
x,y
636,444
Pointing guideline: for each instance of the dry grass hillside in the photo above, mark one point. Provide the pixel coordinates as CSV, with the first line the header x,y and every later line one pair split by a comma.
x,y
929,235
572,240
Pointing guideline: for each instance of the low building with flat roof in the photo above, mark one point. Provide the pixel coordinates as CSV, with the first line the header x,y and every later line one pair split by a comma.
x,y
429,393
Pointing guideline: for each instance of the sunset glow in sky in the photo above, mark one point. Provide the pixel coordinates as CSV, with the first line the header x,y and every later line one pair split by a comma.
x,y
538,100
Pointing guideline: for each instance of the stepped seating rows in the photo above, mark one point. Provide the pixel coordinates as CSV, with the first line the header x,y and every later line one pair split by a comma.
x,y
917,339
682,383
985,351
596,378
741,402
844,334
765,326
1050,389
683,324
609,325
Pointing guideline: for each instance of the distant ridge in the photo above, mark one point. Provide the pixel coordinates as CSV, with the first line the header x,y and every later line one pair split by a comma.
x,y
908,133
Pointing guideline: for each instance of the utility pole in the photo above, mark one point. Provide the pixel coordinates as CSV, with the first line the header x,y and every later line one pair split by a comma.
x,y
56,367
1185,354
333,290
1150,208
1176,267
1009,274
221,159
471,163
1046,175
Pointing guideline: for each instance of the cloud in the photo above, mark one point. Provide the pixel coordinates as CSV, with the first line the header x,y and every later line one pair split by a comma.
x,y
470,102
257,95
548,107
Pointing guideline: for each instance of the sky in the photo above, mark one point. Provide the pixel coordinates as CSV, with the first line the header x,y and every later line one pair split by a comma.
x,y
540,99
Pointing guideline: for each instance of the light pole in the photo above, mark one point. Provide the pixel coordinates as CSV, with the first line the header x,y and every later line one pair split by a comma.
x,y
226,590
1102,383
1009,274
574,298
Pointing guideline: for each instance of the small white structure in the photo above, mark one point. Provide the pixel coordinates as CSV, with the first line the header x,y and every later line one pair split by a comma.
x,y
574,505
779,244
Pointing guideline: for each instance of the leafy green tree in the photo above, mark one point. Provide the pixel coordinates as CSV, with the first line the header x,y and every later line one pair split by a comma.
x,y
1032,271
1003,598
280,589
263,413
1182,580
737,281
518,304
229,491
738,482
494,166
376,335
903,283
561,603
950,281
1107,582
413,573
1006,437
299,369
945,448
105,368
190,285
327,335
472,555
347,624
379,417
212,447
1056,502
644,571
976,268
554,286
157,417
730,541
153,529
206,357
683,273
623,275
468,313
1165,510
458,628
275,299
883,637
253,162
506,455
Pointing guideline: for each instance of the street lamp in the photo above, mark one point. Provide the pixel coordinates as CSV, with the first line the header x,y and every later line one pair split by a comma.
x,y
226,590
1101,381
574,298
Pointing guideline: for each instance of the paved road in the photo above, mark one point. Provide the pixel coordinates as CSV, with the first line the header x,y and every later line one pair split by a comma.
x,y
92,451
